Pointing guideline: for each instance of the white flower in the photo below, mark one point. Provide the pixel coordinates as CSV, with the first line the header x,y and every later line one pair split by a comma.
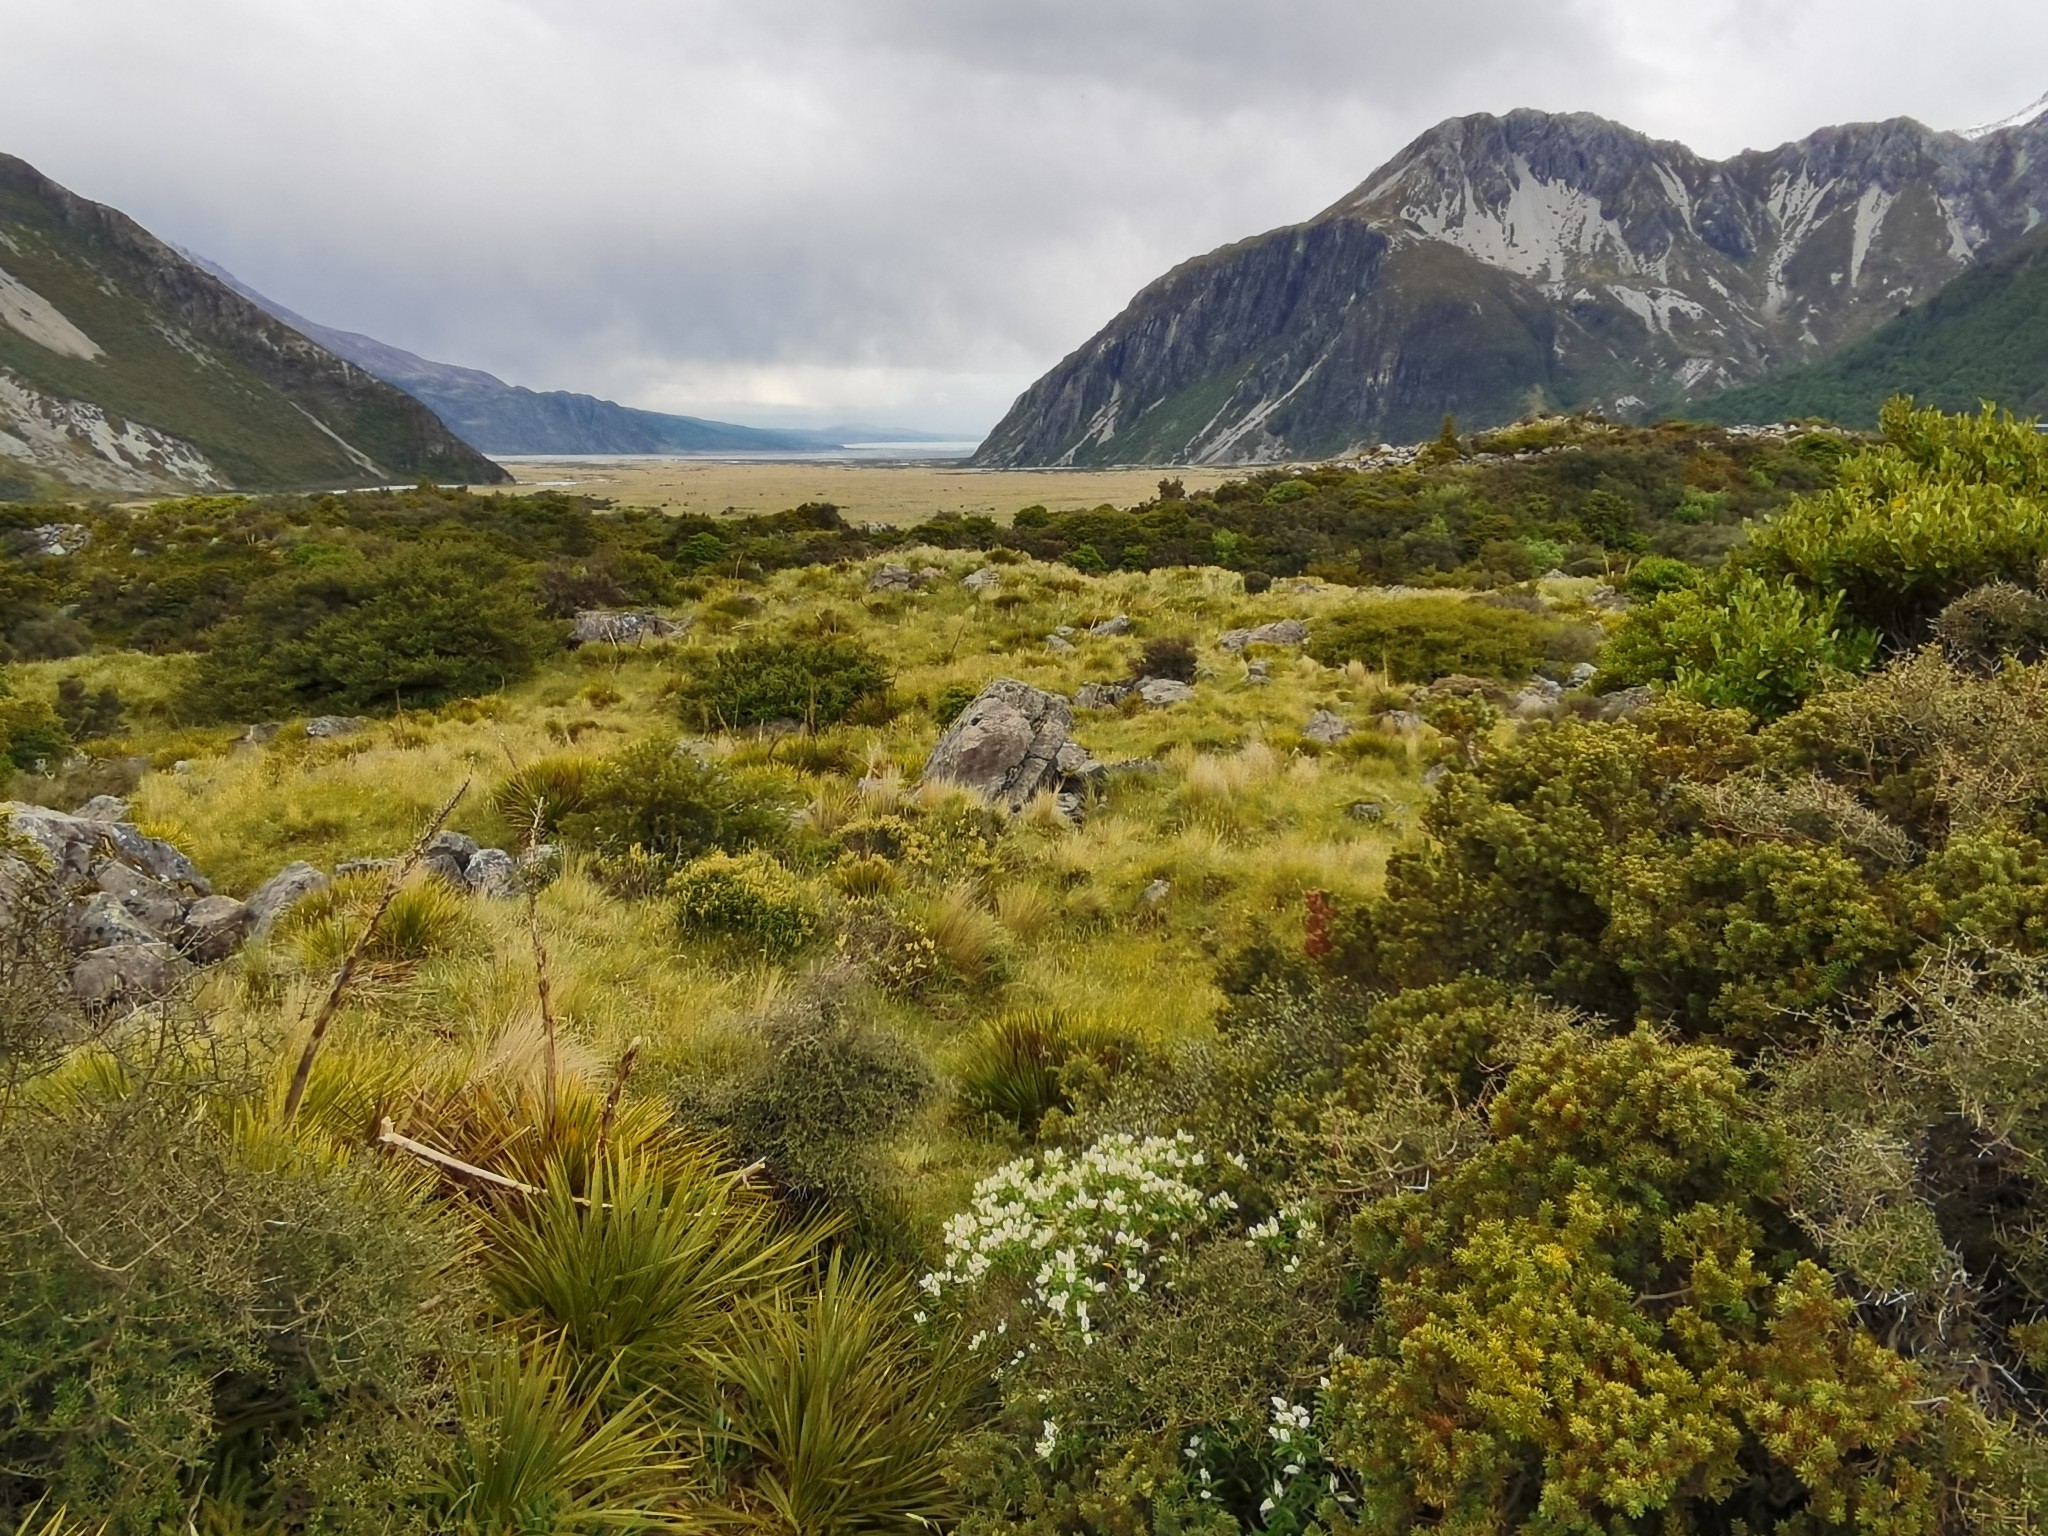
x,y
1048,1440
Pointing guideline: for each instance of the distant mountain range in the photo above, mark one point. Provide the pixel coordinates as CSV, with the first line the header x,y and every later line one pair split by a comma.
x,y
1499,264
495,417
125,369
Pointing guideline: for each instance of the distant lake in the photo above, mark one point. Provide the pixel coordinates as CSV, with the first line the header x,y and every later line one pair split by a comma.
x,y
903,453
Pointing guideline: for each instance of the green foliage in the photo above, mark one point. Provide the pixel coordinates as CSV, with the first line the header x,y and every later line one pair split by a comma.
x,y
536,1452
179,1316
1013,1069
843,1412
538,797
88,714
1741,641
951,699
645,1273
674,805
1421,639
747,900
1582,1325
811,682
32,735
823,1093
420,626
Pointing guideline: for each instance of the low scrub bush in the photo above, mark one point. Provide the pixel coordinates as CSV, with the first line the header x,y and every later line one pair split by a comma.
x,y
1417,640
746,900
535,800
811,681
674,805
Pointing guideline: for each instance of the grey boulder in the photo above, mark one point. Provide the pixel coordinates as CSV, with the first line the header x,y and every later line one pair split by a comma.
x,y
982,580
127,975
492,872
1162,691
1279,632
328,727
1101,695
150,902
1119,624
282,891
215,927
1008,744
1326,728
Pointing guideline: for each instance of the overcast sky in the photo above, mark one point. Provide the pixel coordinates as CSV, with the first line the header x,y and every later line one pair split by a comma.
x,y
895,211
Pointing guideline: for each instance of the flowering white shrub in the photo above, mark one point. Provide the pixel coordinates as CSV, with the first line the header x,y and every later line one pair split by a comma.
x,y
1076,1228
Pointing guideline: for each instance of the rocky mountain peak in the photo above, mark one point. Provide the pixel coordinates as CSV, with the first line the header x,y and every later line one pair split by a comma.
x,y
1533,258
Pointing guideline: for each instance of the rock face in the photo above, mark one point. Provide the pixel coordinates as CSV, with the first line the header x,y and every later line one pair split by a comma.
x,y
1561,258
1011,742
595,626
1279,632
1325,728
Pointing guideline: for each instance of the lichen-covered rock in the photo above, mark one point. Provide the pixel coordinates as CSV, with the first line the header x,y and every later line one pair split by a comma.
x,y
328,727
150,902
1279,632
982,580
1101,695
601,626
78,845
214,928
492,872
1119,624
891,578
100,921
282,891
125,975
1008,744
104,808
1326,727
1162,691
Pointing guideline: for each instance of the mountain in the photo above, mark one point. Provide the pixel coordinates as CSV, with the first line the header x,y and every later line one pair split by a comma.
x,y
1983,337
495,417
125,369
1502,263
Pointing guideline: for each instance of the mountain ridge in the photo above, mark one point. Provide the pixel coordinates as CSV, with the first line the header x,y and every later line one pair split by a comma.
x,y
127,369
493,416
1531,259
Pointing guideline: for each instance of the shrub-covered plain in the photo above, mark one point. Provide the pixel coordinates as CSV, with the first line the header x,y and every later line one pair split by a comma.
x,y
1370,1108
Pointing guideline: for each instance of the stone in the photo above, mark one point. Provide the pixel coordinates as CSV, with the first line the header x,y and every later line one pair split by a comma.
x,y
1371,812
328,727
1608,598
1326,727
214,928
1101,695
1257,672
1279,632
1058,644
1007,744
125,975
1402,722
1581,674
445,864
78,845
1155,893
1073,758
100,921
1065,631
1625,703
983,580
103,808
492,872
59,538
257,735
1160,692
1533,704
461,844
1119,624
349,867
927,574
1435,774
150,902
891,578
614,626
282,891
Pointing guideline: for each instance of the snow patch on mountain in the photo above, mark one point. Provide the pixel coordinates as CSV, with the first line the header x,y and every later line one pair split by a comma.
x,y
2019,119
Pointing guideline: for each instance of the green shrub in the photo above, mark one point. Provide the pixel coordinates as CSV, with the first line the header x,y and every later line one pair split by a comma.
x,y
1170,656
811,681
951,699
32,736
1984,627
1418,640
1012,1069
821,1099
1742,641
674,805
1656,574
746,899
422,625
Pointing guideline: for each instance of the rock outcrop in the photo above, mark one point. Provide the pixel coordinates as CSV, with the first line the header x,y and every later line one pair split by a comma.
x,y
1010,743
607,626
1279,632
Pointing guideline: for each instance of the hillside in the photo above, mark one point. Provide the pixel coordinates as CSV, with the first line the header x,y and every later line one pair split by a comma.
x,y
125,369
1983,337
1532,260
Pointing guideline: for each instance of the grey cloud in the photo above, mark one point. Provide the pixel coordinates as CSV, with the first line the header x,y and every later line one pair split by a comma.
x,y
777,209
